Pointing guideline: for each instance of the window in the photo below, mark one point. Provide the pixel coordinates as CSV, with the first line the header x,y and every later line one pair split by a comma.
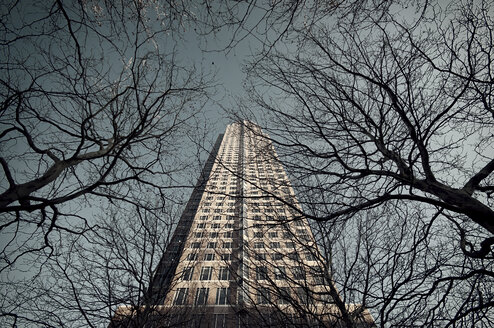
x,y
205,210
206,273
222,295
263,296
226,257
290,244
258,234
201,225
259,244
209,257
277,256
310,257
227,244
298,273
187,273
215,225
201,296
181,296
199,234
274,244
280,273
299,223
260,256
294,256
219,320
261,273
287,234
224,273
318,275
284,295
273,234
204,217
217,217
213,234
303,295
211,244
228,234
195,245
192,257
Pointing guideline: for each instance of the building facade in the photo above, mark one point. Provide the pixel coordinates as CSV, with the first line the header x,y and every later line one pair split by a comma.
x,y
242,255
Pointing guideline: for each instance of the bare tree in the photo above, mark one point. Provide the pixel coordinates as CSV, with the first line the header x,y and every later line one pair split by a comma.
x,y
384,123
95,108
95,113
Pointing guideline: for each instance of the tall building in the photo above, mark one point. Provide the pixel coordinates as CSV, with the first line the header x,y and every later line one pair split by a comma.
x,y
242,255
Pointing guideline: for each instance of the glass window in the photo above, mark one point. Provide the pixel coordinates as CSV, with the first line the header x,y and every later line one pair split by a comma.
x,y
259,244
277,256
303,295
226,257
273,234
284,295
217,217
310,257
201,225
213,234
228,234
290,244
294,256
263,296
219,320
298,273
196,245
206,273
191,256
274,244
181,296
209,257
215,225
204,217
280,273
199,234
211,244
227,244
318,275
260,256
201,296
187,273
222,295
224,273
261,273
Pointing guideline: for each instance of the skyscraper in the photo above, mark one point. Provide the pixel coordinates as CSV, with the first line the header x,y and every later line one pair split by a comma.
x,y
242,255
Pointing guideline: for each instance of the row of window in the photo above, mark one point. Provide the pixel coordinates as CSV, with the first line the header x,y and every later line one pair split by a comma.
x,y
261,272
213,234
223,296
209,257
211,244
206,273
214,225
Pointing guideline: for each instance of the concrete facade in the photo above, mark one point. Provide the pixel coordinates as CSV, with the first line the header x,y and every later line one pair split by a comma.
x,y
242,255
